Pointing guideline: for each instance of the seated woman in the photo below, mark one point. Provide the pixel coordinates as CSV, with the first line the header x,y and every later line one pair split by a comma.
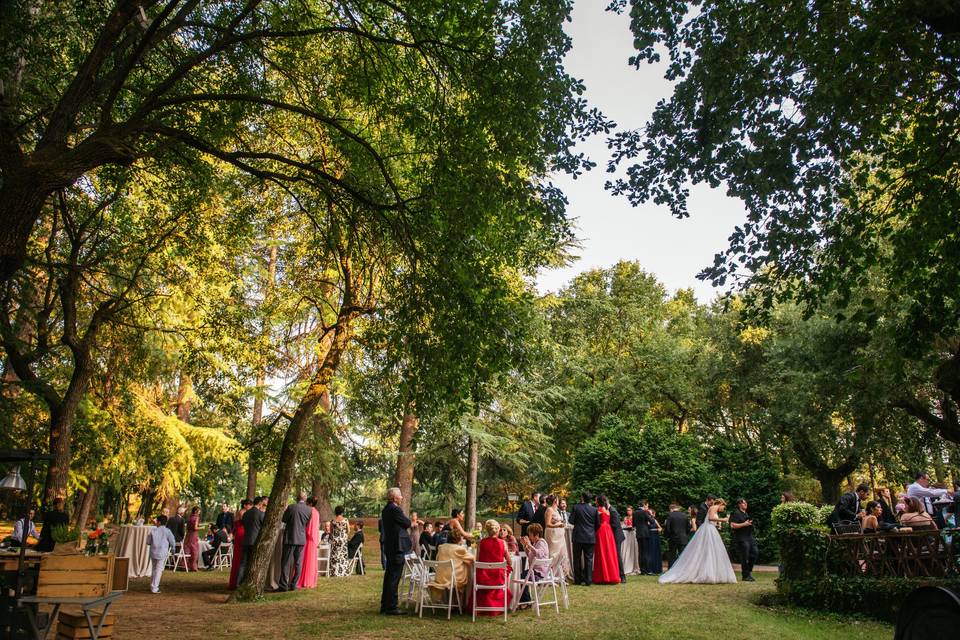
x,y
871,522
456,524
492,549
454,550
354,543
507,536
915,517
536,548
426,540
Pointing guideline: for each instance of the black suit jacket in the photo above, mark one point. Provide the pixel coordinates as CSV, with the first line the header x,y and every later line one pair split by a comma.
x,y
296,517
677,528
178,526
252,522
643,523
615,525
527,512
354,543
846,508
225,519
51,519
887,514
584,521
540,517
394,525
702,513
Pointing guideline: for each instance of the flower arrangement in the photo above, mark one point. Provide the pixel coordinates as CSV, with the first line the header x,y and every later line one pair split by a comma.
x,y
98,542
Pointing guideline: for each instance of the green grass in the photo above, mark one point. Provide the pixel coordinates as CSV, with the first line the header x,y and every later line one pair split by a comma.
x,y
347,607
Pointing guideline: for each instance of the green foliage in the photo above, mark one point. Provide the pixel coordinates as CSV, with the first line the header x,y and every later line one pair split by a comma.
x,y
878,598
65,533
653,461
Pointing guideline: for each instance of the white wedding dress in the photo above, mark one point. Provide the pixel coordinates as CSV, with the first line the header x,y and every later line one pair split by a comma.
x,y
703,561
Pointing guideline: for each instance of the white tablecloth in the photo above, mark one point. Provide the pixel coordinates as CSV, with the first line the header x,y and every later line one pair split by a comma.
x,y
630,552
131,542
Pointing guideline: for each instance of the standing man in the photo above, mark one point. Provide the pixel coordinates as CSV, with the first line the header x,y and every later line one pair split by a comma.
x,y
848,507
296,517
920,489
395,542
564,514
52,518
677,530
743,540
225,518
584,521
540,516
643,524
252,523
703,508
177,525
527,511
618,538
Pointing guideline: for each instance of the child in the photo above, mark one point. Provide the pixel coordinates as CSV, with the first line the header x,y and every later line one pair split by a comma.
x,y
161,541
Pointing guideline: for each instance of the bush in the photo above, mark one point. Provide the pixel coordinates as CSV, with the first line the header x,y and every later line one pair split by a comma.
x,y
64,533
825,512
801,539
876,597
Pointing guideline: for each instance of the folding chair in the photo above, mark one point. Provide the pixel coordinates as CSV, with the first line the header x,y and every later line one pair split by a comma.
x,y
505,587
224,557
556,568
355,561
179,556
323,560
412,570
426,600
537,587
846,528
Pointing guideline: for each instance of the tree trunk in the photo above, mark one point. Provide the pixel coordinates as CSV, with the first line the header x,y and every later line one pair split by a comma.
x,y
406,457
320,488
184,397
257,417
257,567
473,462
20,208
89,499
830,480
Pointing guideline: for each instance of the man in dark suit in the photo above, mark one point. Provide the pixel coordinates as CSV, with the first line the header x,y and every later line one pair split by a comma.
x,y
703,508
527,511
395,542
252,522
677,532
618,538
584,521
225,518
220,536
296,517
643,524
848,508
540,517
178,525
52,518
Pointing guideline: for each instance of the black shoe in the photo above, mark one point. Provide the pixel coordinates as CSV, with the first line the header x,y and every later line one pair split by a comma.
x,y
749,579
394,612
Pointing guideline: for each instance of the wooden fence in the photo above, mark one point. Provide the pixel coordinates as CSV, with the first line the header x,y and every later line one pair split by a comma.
x,y
918,554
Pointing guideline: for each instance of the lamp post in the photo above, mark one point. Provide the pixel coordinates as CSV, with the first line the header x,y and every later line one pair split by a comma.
x,y
511,498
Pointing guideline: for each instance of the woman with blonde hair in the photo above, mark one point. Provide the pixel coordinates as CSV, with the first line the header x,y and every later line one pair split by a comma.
x,y
492,549
453,549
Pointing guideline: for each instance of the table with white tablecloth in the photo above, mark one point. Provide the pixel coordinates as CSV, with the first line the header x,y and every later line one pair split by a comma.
x,y
131,542
630,552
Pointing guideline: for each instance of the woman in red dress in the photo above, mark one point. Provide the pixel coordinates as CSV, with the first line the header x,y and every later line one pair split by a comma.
x,y
492,549
191,543
606,569
238,542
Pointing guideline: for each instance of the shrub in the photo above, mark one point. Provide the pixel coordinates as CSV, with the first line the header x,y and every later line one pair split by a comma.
x,y
825,512
801,539
876,597
64,533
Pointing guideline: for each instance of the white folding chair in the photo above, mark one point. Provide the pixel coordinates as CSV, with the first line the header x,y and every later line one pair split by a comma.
x,y
505,587
428,579
355,561
180,556
412,571
557,569
224,556
323,560
537,587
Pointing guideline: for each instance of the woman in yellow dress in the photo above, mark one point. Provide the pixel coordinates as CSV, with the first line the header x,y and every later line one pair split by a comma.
x,y
455,550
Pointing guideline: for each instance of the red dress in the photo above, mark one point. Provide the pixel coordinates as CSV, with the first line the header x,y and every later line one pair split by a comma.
x,y
191,543
308,572
237,552
492,550
606,569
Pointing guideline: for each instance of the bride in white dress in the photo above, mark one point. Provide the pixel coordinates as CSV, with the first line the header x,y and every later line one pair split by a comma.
x,y
704,560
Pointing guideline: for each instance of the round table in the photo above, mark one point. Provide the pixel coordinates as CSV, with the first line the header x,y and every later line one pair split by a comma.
x,y
131,543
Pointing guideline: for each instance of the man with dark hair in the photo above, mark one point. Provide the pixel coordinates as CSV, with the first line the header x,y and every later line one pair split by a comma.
x,y
540,516
703,508
848,507
584,520
527,511
161,543
677,531
252,523
618,538
920,489
743,540
296,517
644,524
224,518
55,517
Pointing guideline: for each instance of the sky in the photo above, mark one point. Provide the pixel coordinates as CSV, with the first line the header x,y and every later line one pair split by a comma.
x,y
609,228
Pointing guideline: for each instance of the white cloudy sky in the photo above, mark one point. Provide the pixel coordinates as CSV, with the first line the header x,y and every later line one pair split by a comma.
x,y
607,226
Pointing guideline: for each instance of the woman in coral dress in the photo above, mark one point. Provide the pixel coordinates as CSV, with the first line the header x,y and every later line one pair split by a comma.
x,y
492,549
308,575
238,533
606,569
191,543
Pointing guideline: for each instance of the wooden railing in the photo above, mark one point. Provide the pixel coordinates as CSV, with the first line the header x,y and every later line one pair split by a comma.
x,y
917,554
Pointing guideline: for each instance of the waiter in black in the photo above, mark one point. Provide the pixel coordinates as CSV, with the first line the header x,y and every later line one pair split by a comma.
x,y
742,539
395,543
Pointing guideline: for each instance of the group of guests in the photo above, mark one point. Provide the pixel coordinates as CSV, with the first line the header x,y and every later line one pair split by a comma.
x,y
920,507
25,528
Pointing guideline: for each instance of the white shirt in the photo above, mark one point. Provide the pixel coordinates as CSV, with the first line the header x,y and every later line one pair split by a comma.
x,y
18,531
924,495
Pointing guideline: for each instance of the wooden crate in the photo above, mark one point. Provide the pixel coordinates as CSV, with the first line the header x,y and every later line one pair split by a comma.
x,y
74,625
121,574
75,576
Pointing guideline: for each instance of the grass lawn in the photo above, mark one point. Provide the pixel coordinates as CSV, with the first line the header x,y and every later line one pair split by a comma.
x,y
192,606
